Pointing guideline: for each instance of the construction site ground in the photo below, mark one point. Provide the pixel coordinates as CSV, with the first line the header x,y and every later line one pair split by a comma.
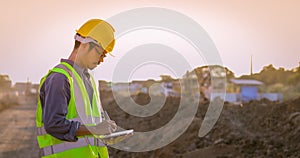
x,y
17,130
255,129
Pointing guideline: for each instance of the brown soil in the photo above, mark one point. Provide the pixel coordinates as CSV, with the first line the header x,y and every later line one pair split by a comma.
x,y
255,129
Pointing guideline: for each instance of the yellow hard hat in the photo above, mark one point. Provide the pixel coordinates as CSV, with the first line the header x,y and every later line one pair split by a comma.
x,y
99,30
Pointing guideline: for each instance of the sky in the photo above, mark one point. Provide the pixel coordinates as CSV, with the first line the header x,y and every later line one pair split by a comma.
x,y
35,35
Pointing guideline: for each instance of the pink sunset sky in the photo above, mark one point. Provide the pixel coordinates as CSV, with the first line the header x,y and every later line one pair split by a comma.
x,y
36,34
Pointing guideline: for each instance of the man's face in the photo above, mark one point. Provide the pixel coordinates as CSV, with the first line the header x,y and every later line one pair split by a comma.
x,y
94,56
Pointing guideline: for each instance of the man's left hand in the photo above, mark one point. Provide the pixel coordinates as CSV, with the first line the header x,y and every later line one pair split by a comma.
x,y
114,140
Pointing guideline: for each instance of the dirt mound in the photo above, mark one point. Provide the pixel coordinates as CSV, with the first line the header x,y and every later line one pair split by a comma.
x,y
255,129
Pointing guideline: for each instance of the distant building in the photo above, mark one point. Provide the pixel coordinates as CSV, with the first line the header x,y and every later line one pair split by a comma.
x,y
199,83
248,89
121,86
190,84
5,87
34,88
245,90
5,83
136,87
170,88
207,83
203,80
104,86
25,88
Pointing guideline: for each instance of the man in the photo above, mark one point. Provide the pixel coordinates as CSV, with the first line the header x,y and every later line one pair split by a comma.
x,y
68,112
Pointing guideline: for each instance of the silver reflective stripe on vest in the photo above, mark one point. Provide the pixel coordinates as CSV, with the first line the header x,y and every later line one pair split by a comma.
x,y
42,131
82,142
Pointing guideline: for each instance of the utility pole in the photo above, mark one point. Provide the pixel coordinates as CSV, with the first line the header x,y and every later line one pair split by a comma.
x,y
251,71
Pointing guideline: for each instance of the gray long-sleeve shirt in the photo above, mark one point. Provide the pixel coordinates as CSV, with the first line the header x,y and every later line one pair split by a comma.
x,y
55,97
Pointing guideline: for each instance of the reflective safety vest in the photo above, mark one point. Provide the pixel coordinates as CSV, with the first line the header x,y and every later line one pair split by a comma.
x,y
86,146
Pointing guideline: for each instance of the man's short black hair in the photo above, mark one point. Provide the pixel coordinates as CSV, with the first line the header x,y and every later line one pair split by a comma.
x,y
77,44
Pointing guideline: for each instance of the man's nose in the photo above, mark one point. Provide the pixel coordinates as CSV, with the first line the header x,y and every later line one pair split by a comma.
x,y
100,61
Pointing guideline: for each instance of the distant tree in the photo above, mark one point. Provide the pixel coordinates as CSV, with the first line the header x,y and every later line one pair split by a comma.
x,y
270,75
295,78
275,88
229,74
166,78
267,74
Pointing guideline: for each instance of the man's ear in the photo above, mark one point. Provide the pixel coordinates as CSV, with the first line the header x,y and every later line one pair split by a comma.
x,y
83,47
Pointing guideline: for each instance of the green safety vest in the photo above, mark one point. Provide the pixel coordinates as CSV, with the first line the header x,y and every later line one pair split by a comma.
x,y
86,146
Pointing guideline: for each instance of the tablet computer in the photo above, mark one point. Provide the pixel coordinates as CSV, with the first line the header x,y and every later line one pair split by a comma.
x,y
116,134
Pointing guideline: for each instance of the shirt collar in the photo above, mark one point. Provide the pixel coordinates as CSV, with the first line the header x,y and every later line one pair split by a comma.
x,y
77,68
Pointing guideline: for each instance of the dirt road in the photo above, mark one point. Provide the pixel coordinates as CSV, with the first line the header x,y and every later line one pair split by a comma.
x,y
17,131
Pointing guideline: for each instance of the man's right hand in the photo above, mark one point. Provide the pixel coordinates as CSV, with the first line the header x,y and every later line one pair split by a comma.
x,y
103,128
